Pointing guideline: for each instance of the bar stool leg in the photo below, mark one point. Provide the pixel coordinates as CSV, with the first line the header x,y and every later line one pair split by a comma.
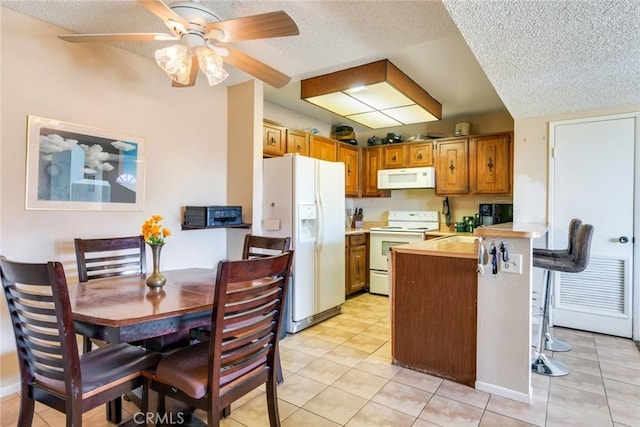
x,y
541,364
552,343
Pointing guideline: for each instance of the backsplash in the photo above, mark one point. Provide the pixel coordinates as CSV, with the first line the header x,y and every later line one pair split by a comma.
x,y
377,209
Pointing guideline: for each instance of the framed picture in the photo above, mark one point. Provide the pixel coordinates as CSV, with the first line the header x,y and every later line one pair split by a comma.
x,y
75,167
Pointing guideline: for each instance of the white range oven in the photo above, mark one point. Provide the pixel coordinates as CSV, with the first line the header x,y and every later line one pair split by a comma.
x,y
402,227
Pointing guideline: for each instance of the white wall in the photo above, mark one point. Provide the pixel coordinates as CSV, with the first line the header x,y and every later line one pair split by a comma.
x,y
531,171
185,132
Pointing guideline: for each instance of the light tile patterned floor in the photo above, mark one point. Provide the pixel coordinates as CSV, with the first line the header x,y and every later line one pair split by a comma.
x,y
339,373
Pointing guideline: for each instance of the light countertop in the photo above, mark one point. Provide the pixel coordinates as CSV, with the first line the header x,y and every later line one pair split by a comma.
x,y
514,230
446,247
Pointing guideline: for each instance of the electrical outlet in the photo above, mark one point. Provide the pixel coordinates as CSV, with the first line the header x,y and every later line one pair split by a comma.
x,y
514,265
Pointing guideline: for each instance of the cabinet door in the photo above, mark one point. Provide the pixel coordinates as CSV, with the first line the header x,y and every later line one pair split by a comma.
x,y
452,172
357,268
323,148
372,161
273,143
349,156
394,156
420,154
490,164
297,142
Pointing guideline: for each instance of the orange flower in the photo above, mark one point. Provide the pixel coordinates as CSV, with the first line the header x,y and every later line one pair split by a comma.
x,y
153,232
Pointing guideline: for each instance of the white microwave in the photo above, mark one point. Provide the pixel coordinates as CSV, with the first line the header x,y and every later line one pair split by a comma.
x,y
389,179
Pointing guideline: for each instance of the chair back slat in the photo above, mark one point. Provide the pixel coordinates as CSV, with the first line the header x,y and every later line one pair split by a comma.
x,y
108,257
247,313
262,246
40,311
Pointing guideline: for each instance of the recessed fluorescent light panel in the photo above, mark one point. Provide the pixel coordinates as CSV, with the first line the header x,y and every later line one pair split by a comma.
x,y
376,95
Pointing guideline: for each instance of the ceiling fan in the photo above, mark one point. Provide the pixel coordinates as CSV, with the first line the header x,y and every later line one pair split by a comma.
x,y
203,39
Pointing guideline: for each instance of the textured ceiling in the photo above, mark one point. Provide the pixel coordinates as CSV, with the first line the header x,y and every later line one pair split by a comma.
x,y
541,57
551,57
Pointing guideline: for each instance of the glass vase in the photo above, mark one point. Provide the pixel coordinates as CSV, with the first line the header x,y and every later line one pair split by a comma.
x,y
156,279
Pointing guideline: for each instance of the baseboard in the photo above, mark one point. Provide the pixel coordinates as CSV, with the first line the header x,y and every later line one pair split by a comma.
x,y
505,392
9,389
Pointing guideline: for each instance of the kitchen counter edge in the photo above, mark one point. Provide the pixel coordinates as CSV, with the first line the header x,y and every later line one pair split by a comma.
x,y
513,230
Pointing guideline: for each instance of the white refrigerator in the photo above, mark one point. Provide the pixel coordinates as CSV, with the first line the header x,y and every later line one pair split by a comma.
x,y
304,198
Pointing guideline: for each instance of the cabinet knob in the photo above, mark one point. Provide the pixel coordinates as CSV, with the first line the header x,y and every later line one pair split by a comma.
x,y
452,167
393,158
490,164
420,156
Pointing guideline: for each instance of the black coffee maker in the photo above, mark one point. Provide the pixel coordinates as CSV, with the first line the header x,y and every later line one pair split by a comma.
x,y
493,213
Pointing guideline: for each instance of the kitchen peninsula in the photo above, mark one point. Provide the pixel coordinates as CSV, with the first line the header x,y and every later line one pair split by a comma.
x,y
450,321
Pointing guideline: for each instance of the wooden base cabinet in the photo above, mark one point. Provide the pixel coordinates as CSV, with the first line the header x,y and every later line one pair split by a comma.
x,y
356,262
434,315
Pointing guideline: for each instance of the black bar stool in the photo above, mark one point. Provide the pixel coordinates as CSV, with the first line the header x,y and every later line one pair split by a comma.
x,y
552,343
573,262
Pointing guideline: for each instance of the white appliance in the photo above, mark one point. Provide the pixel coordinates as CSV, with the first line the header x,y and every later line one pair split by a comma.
x,y
304,199
402,227
389,179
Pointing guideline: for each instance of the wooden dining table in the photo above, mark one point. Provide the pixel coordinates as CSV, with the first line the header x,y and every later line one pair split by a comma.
x,y
124,309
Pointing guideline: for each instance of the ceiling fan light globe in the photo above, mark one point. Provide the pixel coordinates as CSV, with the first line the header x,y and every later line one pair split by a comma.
x,y
175,61
211,65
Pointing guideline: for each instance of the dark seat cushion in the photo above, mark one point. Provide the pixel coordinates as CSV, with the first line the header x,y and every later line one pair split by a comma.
x,y
187,370
106,365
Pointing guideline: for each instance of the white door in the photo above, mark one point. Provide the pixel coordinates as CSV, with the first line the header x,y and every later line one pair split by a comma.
x,y
592,178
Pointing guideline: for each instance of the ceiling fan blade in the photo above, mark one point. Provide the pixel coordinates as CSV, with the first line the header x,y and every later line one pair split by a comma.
x,y
162,11
119,37
192,74
266,25
257,69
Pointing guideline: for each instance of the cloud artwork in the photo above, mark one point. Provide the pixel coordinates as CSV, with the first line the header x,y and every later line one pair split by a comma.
x,y
95,158
76,167
56,144
123,146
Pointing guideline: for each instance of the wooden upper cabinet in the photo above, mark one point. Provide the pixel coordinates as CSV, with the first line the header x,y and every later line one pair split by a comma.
x,y
273,140
491,164
371,162
297,142
323,148
348,155
452,172
420,154
394,156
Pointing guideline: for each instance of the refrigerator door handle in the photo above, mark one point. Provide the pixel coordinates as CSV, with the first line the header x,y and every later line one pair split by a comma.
x,y
319,241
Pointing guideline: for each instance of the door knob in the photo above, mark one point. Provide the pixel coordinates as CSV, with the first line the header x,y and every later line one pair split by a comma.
x,y
623,239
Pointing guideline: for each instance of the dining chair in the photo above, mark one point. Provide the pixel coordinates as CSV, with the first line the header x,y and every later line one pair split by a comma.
x,y
51,370
107,257
262,246
241,352
259,247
